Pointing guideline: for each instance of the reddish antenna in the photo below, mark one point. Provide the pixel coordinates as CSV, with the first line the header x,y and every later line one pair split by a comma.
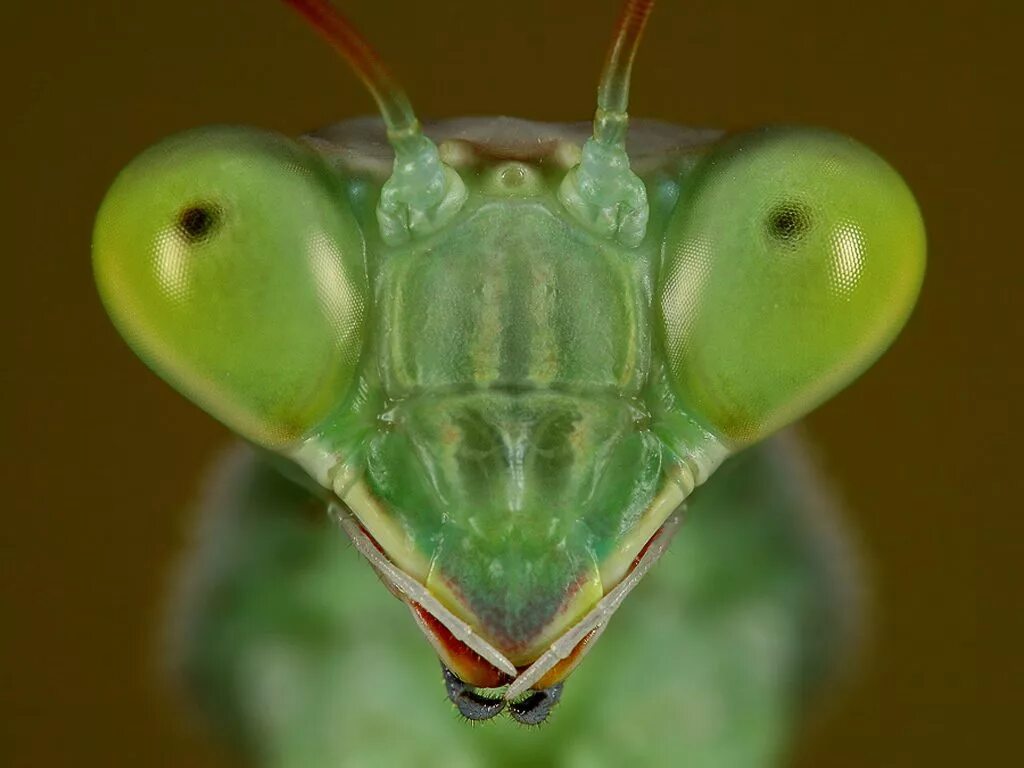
x,y
613,91
422,194
602,191
335,27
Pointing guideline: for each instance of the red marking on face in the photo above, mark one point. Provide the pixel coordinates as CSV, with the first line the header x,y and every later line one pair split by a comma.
x,y
467,664
562,669
644,548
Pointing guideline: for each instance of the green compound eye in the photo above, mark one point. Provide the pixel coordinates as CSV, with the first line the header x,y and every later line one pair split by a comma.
x,y
230,261
791,262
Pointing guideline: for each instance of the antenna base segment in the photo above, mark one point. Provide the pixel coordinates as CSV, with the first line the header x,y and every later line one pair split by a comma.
x,y
422,195
604,194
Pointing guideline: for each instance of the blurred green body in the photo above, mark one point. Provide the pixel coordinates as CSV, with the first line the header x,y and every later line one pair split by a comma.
x,y
708,665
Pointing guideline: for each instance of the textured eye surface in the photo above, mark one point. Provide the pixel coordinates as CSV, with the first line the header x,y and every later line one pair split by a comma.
x,y
792,260
228,258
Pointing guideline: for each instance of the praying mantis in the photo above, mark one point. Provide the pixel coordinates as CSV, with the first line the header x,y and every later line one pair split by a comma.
x,y
513,361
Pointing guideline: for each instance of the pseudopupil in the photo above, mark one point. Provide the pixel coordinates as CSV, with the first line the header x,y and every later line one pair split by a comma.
x,y
197,222
788,222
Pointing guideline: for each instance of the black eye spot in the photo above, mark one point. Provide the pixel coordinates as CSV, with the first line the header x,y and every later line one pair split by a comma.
x,y
788,222
197,222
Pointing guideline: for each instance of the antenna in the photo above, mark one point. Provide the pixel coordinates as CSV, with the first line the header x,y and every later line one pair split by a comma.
x,y
613,92
602,191
422,193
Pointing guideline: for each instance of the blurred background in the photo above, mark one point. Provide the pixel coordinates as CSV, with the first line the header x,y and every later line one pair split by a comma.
x,y
101,459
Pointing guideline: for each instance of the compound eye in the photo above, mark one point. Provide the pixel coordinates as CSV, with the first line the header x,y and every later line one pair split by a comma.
x,y
229,259
791,262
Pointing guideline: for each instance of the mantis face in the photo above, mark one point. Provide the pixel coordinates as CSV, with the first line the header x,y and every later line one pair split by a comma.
x,y
507,356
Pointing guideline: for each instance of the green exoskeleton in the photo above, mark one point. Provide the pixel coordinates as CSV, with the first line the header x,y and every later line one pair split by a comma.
x,y
509,357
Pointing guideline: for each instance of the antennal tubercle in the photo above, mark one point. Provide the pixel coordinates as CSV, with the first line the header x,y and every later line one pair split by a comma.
x,y
422,193
602,191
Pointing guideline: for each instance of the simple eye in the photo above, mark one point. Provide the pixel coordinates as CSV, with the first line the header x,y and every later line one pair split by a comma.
x,y
198,221
791,261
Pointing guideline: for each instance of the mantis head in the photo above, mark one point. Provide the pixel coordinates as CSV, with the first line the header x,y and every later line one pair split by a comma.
x,y
684,315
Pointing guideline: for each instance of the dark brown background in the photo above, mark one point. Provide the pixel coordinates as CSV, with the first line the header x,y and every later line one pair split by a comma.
x,y
100,457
